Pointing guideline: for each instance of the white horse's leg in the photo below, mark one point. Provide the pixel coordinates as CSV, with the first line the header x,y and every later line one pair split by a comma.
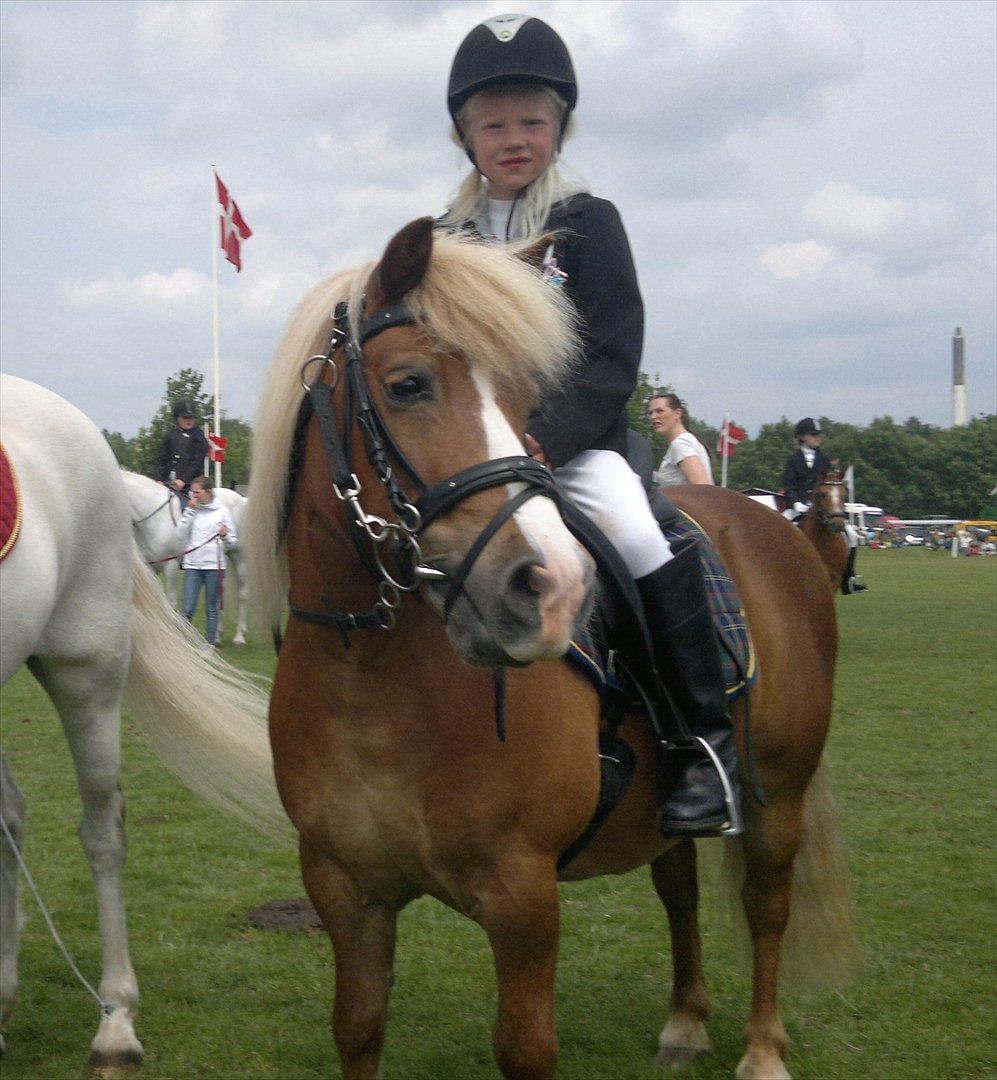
x,y
171,572
12,808
238,563
87,697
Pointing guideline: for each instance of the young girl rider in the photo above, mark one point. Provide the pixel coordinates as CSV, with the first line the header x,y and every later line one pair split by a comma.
x,y
511,94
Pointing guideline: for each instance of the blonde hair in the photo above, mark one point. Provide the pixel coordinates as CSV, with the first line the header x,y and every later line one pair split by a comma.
x,y
470,201
478,300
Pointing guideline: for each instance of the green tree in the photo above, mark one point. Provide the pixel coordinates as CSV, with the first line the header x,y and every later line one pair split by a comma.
x,y
120,447
188,383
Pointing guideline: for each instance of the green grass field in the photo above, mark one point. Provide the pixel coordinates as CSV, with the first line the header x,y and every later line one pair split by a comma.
x,y
913,759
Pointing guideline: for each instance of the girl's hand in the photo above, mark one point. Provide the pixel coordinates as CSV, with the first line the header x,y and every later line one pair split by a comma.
x,y
535,450
223,530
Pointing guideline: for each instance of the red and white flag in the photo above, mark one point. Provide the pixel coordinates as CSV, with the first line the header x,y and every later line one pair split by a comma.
x,y
730,436
233,228
216,446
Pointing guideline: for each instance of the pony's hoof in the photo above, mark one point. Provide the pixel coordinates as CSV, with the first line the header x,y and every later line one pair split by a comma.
x,y
769,1068
238,640
115,1066
673,1058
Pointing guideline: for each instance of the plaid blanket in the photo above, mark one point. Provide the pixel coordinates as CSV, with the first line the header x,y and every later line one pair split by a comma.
x,y
736,650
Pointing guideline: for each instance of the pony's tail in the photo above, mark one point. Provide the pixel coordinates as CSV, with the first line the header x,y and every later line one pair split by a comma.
x,y
819,947
205,720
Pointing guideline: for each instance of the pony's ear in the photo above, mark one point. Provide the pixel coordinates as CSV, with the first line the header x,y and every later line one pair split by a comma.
x,y
534,254
405,261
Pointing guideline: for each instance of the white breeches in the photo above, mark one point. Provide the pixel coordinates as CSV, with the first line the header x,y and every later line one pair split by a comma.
x,y
604,487
851,535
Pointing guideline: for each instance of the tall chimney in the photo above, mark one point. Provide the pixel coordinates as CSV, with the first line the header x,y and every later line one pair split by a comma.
x,y
958,378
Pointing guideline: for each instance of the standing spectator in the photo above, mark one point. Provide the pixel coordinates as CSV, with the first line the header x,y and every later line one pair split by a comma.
x,y
687,460
182,452
206,531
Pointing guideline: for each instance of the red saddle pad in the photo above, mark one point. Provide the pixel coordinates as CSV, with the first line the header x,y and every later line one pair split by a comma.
x,y
10,506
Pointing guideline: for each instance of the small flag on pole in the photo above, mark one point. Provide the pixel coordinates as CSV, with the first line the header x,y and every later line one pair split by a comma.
x,y
730,436
216,446
233,228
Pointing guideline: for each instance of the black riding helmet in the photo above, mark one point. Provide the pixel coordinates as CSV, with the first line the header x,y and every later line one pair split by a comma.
x,y
807,426
185,407
511,49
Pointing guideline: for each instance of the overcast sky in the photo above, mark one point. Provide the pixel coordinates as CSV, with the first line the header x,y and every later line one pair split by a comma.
x,y
809,188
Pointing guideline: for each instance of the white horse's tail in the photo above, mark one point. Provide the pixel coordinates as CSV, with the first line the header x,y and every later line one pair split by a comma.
x,y
206,720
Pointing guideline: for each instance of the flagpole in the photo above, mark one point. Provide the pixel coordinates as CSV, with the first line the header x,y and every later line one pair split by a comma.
x,y
214,282
724,449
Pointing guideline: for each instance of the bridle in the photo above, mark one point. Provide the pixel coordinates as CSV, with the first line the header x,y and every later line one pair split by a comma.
x,y
384,455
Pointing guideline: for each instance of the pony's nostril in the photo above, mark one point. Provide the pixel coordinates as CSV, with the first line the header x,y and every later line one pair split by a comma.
x,y
529,580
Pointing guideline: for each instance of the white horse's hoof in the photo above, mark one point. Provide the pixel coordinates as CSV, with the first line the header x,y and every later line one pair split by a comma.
x,y
238,640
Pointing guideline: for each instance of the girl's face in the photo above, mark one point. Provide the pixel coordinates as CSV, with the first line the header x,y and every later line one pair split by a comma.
x,y
512,133
664,419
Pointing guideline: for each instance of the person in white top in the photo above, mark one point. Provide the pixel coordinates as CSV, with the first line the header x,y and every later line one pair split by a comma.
x,y
206,530
687,460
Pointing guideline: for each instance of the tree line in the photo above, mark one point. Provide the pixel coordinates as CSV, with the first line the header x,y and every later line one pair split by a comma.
x,y
911,469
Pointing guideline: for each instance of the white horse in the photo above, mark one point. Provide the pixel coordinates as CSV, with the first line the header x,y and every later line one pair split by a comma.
x,y
83,611
155,515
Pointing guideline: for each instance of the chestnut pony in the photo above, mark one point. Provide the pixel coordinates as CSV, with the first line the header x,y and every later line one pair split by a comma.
x,y
824,525
386,752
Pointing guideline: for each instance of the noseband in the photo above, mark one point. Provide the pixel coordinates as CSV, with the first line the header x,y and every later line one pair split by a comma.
x,y
381,451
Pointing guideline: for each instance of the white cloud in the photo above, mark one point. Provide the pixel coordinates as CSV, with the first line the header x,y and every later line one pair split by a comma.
x,y
151,292
849,215
805,259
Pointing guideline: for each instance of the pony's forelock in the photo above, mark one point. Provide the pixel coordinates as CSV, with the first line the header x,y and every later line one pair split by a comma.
x,y
478,301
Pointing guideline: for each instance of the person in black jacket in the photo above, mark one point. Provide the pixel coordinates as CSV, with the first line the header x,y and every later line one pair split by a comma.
x,y
511,94
805,469
182,452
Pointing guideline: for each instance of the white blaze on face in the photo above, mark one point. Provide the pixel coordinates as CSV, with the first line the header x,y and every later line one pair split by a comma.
x,y
565,562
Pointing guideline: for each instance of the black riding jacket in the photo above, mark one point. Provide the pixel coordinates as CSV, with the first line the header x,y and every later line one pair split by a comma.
x,y
182,453
589,412
798,481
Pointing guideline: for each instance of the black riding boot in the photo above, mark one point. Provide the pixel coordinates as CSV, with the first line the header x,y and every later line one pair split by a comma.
x,y
849,582
704,799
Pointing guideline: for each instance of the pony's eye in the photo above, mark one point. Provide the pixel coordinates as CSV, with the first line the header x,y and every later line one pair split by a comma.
x,y
410,389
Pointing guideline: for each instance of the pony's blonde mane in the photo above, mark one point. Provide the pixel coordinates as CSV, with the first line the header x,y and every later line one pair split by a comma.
x,y
479,301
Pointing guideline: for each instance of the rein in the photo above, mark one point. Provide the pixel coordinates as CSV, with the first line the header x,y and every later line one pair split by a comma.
x,y
162,506
196,547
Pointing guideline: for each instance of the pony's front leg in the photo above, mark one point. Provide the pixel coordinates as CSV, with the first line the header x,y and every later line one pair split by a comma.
x,y
522,918
684,1038
12,809
363,941
171,575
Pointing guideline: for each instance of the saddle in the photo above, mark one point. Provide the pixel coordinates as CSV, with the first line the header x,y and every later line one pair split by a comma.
x,y
10,506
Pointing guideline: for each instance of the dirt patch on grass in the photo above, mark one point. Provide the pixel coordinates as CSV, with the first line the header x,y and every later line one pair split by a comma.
x,y
286,916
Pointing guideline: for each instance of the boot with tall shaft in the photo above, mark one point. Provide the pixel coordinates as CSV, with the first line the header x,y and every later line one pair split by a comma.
x,y
704,798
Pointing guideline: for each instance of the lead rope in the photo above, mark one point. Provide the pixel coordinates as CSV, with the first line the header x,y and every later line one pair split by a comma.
x,y
105,1007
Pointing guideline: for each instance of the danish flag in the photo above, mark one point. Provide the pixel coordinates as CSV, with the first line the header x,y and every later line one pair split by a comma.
x,y
216,446
233,228
730,436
